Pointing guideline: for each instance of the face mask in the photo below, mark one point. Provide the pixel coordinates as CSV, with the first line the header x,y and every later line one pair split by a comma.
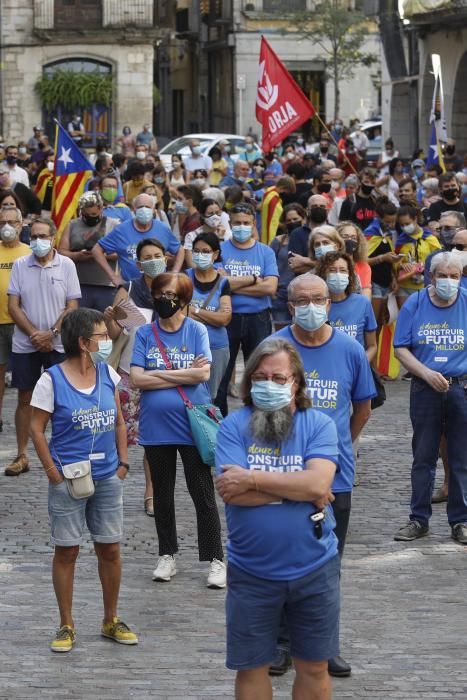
x,y
176,165
258,169
11,160
293,225
324,187
213,220
90,220
323,249
450,194
350,246
226,149
446,234
367,189
290,155
153,267
241,179
241,234
166,307
159,180
103,354
409,229
144,215
50,167
196,150
180,208
324,149
8,233
141,155
337,282
338,128
249,147
40,247
22,150
419,172
446,288
450,150
109,194
299,141
311,317
202,260
318,215
269,396
399,169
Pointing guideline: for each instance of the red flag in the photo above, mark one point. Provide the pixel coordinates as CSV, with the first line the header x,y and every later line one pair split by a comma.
x,y
281,106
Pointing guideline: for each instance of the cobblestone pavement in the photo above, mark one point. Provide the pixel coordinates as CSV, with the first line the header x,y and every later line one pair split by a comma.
x,y
404,605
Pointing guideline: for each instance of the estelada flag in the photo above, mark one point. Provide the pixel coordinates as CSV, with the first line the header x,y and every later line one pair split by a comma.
x,y
72,171
386,362
42,183
281,106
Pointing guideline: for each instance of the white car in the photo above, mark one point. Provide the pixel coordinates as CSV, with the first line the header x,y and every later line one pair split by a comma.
x,y
181,146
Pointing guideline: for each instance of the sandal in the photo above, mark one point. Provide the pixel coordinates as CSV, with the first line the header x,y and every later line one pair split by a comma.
x,y
149,507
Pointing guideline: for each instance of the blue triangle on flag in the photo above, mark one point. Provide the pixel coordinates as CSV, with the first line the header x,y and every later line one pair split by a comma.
x,y
68,158
433,155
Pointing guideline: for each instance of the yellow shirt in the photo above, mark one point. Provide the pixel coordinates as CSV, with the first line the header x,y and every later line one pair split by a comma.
x,y
131,190
7,258
219,167
418,251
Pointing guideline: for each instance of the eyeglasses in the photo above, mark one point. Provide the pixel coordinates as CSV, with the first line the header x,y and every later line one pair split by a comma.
x,y
460,246
276,378
171,296
242,209
319,301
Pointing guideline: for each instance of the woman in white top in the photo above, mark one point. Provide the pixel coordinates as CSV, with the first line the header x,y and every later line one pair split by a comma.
x,y
211,217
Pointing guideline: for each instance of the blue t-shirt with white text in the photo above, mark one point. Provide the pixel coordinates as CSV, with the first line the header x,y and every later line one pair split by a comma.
x,y
435,335
337,373
354,316
218,337
124,239
258,260
277,541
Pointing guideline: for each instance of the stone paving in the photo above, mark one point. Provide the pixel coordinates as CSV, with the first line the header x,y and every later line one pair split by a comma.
x,y
404,605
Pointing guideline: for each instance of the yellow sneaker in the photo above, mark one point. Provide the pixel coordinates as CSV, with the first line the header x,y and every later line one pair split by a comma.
x,y
64,639
119,632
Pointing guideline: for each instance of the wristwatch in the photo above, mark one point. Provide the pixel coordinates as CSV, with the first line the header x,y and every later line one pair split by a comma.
x,y
55,332
124,464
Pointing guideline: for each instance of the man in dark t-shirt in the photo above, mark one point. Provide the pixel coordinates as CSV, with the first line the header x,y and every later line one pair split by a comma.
x,y
361,211
450,198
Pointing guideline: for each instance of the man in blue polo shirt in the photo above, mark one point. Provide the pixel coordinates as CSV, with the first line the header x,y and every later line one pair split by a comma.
x,y
253,276
275,461
430,342
340,384
124,238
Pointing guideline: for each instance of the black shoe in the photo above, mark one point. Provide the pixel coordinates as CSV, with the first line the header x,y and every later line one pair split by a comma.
x,y
281,663
338,668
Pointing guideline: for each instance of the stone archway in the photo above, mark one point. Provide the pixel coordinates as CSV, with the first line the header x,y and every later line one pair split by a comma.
x,y
427,85
404,117
458,129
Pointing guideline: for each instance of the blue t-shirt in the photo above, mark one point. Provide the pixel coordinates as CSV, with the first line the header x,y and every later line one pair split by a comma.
x,y
258,260
337,373
464,281
354,316
122,213
84,424
218,337
434,334
124,239
277,541
163,419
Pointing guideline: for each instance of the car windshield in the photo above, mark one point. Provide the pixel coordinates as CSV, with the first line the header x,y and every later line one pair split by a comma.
x,y
182,144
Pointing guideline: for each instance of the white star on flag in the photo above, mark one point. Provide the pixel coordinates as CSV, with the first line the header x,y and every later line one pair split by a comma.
x,y
65,157
434,146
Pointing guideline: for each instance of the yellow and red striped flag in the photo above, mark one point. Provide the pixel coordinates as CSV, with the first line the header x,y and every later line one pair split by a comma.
x,y
42,183
71,172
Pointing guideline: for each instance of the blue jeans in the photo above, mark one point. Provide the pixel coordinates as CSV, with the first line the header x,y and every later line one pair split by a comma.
x,y
432,414
245,331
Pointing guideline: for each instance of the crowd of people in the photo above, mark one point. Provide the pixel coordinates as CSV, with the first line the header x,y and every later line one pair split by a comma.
x,y
289,256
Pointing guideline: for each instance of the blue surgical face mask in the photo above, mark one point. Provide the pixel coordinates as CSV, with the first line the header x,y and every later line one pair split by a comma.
x,y
269,396
311,317
144,215
202,260
241,234
323,249
153,267
159,180
180,208
419,172
409,229
446,288
40,247
196,150
337,282
102,355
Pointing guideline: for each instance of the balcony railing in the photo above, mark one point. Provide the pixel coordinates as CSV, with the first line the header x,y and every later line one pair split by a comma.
x,y
115,13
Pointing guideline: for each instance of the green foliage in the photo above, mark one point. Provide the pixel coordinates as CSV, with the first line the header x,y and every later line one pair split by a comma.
x,y
71,90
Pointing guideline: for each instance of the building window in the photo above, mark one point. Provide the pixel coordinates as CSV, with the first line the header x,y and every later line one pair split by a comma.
x,y
69,14
279,6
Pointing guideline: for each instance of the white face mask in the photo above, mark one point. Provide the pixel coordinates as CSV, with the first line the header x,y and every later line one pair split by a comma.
x,y
213,220
141,155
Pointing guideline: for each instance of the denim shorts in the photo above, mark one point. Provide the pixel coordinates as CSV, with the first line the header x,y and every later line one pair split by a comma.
x,y
379,292
27,367
254,607
102,513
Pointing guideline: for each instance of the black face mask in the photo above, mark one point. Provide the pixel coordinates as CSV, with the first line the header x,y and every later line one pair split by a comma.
x,y
90,220
324,149
11,160
451,194
166,308
318,215
324,187
450,150
350,246
292,226
367,189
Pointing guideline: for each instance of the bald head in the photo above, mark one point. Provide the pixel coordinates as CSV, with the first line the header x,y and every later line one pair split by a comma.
x,y
337,174
317,200
307,286
460,238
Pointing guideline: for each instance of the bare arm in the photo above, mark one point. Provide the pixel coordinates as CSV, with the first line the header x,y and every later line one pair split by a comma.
x,y
168,379
263,287
219,318
370,345
359,418
113,327
39,422
366,292
18,315
121,438
179,260
100,258
240,282
75,255
414,366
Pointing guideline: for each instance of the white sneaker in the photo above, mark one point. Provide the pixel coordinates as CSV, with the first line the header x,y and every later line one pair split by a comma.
x,y
217,574
165,568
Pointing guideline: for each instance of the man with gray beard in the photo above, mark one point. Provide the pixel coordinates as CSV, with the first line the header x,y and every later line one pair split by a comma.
x,y
275,460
